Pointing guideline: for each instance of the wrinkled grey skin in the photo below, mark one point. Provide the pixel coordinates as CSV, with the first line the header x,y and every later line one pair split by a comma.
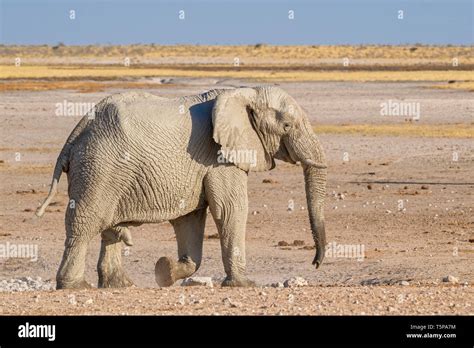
x,y
138,158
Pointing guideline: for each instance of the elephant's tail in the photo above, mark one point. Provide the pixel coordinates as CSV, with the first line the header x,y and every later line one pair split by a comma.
x,y
62,163
58,169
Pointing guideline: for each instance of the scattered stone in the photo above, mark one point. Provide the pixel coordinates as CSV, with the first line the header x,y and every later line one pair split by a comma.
x,y
283,243
72,300
25,284
373,281
388,211
198,281
234,304
277,285
450,279
269,181
298,242
22,192
295,282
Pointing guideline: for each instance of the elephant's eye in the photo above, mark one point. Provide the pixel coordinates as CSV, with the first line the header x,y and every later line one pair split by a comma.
x,y
286,126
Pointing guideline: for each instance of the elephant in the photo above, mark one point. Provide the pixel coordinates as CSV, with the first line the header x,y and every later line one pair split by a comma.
x,y
138,158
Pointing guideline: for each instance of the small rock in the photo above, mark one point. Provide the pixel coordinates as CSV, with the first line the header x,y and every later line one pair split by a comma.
x,y
234,304
269,181
295,282
404,283
425,187
369,187
89,301
198,281
182,299
373,281
277,285
71,299
254,212
283,243
298,242
450,279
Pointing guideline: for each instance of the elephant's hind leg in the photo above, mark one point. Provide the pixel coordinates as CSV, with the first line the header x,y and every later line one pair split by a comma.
x,y
109,267
71,271
189,231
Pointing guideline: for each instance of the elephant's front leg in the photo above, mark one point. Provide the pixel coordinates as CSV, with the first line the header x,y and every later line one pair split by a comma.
x,y
109,267
226,191
189,231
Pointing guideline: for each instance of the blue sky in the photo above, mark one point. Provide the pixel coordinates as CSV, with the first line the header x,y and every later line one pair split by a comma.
x,y
230,22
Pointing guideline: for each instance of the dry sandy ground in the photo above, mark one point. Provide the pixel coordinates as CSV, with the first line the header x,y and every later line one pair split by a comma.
x,y
359,300
429,237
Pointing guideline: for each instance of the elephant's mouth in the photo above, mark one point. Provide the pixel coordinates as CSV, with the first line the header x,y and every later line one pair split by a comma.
x,y
283,154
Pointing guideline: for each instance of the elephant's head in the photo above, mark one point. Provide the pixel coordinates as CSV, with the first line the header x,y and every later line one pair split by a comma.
x,y
269,124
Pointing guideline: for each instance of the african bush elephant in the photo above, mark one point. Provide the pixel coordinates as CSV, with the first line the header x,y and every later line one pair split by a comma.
x,y
138,158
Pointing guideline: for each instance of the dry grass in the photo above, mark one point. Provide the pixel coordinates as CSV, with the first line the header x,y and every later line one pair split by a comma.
x,y
20,169
62,64
446,53
406,129
79,86
114,72
467,85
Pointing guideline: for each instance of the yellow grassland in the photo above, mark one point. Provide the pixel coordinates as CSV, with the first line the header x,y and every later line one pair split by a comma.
x,y
116,72
404,129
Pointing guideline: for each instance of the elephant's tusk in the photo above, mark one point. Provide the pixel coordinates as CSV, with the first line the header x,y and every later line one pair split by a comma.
x,y
310,162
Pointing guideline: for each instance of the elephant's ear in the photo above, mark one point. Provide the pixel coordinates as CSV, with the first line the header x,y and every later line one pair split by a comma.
x,y
233,119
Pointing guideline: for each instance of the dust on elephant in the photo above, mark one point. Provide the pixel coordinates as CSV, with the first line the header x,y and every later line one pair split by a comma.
x,y
138,158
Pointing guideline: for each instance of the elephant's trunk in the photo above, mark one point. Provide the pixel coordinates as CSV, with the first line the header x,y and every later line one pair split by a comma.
x,y
315,182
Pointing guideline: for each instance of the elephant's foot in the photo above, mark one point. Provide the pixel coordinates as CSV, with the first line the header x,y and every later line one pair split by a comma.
x,y
117,279
238,282
80,284
168,271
